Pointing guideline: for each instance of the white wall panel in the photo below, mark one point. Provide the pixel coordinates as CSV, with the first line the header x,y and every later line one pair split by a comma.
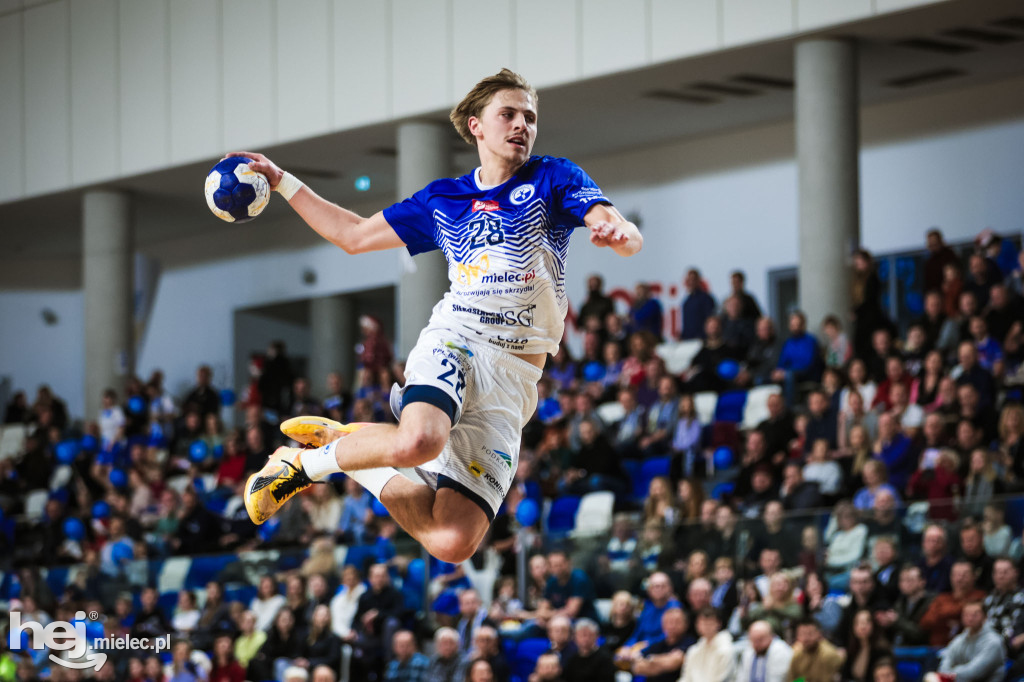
x,y
47,98
422,53
10,5
811,14
547,41
747,21
250,107
362,62
304,62
475,21
683,27
614,35
196,76
894,5
12,139
144,85
94,105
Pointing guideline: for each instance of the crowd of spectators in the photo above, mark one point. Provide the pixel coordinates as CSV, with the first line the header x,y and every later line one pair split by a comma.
x,y
863,516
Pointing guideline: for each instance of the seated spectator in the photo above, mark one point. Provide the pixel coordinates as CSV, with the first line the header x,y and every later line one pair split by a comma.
x,y
214,618
935,438
858,381
908,415
865,648
345,602
814,659
771,532
974,655
1004,607
763,657
800,359
661,419
971,410
660,503
588,663
990,352
686,440
584,410
936,560
376,620
698,306
770,563
895,373
594,465
445,661
627,433
821,421
648,626
249,640
568,590
853,458
663,660
939,486
763,355
621,546
821,471
779,608
902,622
847,542
864,596
408,664
884,557
725,596
763,489
621,621
838,350
943,616
548,669
895,450
969,371
486,646
225,667
479,670
561,638
282,645
737,330
972,549
876,479
777,430
798,494
997,535
645,313
712,658
855,414
320,646
981,484
932,372
354,510
702,374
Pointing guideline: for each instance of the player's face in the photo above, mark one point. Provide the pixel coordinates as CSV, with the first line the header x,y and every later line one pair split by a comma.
x,y
507,127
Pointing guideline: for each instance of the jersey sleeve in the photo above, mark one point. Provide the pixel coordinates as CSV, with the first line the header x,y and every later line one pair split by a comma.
x,y
576,193
413,222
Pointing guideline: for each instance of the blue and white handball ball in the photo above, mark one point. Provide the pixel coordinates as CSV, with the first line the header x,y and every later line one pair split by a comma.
x,y
235,192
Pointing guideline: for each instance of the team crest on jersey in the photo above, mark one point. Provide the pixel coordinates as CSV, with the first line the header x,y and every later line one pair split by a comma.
x,y
485,205
521,194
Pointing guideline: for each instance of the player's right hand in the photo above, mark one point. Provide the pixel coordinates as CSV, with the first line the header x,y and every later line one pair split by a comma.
x,y
262,164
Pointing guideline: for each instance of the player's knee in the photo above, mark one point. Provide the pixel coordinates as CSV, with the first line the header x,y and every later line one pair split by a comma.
x,y
453,545
420,444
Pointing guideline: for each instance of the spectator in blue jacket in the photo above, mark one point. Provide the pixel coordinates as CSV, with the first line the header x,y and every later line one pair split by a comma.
x,y
800,359
697,306
645,315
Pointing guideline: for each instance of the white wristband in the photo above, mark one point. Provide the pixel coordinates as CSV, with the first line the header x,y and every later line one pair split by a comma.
x,y
288,186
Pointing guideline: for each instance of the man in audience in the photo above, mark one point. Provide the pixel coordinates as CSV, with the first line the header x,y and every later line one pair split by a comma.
x,y
472,615
972,550
863,596
762,356
203,396
630,429
445,661
814,658
902,623
588,663
697,306
648,626
777,429
770,563
939,256
771,533
377,616
796,493
712,658
895,451
598,305
821,421
560,637
408,664
568,590
943,616
976,654
764,657
884,558
548,669
1004,606
663,660
486,644
970,372
800,359
936,561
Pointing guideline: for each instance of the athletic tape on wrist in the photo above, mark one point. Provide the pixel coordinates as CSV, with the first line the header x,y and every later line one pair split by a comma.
x,y
288,186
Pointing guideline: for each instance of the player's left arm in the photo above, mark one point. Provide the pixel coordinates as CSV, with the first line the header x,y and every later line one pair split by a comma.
x,y
609,228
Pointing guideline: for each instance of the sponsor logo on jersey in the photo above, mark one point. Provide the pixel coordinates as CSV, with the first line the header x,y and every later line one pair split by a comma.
x,y
475,469
520,315
485,205
585,195
499,457
479,471
457,347
508,277
521,194
467,274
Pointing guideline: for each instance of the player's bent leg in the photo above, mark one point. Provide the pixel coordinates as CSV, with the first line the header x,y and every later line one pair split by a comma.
x,y
447,523
423,432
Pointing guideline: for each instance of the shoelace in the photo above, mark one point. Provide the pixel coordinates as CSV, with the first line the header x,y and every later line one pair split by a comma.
x,y
297,480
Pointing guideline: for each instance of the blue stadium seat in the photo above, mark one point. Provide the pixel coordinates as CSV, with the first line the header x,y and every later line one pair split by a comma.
x,y
527,653
730,406
57,579
509,646
360,556
722,489
1015,515
207,568
242,593
632,469
562,517
909,671
167,601
649,468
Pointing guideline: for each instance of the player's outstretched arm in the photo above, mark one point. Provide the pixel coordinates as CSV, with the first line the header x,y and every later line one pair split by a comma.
x,y
609,228
338,225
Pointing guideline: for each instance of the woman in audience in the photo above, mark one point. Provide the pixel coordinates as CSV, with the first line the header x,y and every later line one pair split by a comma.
x,y
858,382
282,645
225,667
621,621
346,602
186,615
320,646
997,535
866,648
685,441
847,540
689,499
250,639
940,486
1011,445
779,608
980,485
660,504
266,603
856,414
480,670
929,380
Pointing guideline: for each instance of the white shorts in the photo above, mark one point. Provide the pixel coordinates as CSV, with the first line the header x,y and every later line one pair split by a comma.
x,y
494,393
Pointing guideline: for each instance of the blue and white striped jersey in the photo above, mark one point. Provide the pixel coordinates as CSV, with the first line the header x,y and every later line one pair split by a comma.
x,y
506,248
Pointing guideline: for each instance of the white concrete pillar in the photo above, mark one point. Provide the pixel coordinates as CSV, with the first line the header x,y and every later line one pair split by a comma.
x,y
423,156
334,328
827,147
107,287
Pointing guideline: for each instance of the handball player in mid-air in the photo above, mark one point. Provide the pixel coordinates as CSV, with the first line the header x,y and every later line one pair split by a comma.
x,y
471,379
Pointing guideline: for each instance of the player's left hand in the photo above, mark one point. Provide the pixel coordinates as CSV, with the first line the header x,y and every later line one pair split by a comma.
x,y
606,234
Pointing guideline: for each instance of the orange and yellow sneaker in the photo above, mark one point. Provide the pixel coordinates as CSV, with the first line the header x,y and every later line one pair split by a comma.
x,y
316,432
268,489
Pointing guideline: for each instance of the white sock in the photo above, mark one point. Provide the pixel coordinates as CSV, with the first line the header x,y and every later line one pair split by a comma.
x,y
319,463
374,480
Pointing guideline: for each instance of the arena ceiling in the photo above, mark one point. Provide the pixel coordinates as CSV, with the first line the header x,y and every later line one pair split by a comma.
x,y
926,50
